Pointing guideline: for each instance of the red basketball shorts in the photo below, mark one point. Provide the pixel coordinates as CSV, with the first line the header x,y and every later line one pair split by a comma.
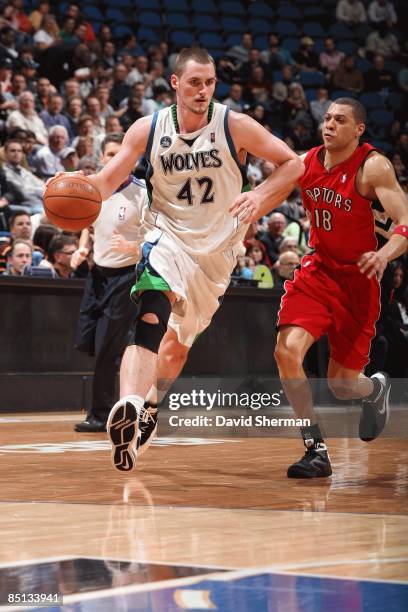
x,y
345,305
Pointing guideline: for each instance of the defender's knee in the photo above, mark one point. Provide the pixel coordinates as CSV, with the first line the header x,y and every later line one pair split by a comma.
x,y
154,309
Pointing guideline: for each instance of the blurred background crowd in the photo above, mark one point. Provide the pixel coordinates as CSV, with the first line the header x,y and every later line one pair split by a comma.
x,y
71,73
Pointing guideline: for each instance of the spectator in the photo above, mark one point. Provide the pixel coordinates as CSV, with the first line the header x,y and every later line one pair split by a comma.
x,y
399,167
69,159
67,32
285,268
401,147
273,237
73,113
379,78
305,57
156,79
295,106
280,89
88,165
288,244
319,106
351,12
84,146
147,107
20,226
60,252
43,236
113,125
109,55
24,188
47,160
28,68
139,74
53,116
121,89
227,71
8,44
18,257
93,108
259,87
48,34
276,56
234,100
18,86
330,58
26,118
292,207
254,61
240,53
382,41
382,11
102,93
132,113
5,211
43,94
23,21
261,271
37,16
300,136
403,79
347,76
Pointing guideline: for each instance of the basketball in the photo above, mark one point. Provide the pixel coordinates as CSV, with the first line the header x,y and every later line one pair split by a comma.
x,y
72,203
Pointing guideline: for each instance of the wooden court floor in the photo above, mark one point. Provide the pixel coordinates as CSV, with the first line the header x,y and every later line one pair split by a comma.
x,y
195,503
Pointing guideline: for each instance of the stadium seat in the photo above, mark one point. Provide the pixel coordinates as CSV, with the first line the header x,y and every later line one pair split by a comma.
x,y
208,7
382,118
211,39
341,32
232,8
260,26
262,10
349,47
92,12
385,147
122,30
178,21
232,24
207,23
313,12
234,39
311,94
372,101
261,41
116,15
314,29
318,45
146,35
312,79
174,6
276,76
149,19
395,101
363,65
341,93
291,44
182,38
222,90
287,28
287,11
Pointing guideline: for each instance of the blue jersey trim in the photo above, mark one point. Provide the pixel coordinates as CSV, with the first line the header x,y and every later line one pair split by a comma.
x,y
151,136
241,167
149,171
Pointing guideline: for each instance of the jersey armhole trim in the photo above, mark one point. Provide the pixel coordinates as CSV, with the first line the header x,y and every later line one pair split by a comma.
x,y
361,166
151,136
241,167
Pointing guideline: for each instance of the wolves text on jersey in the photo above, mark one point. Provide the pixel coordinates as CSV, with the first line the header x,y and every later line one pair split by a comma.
x,y
329,196
190,161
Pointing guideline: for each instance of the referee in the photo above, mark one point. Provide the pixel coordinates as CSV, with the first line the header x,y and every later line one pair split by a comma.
x,y
106,312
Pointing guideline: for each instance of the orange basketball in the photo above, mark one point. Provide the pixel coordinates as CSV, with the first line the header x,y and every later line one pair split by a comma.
x,y
72,202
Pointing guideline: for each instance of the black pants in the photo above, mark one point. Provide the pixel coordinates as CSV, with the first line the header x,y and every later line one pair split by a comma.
x,y
106,317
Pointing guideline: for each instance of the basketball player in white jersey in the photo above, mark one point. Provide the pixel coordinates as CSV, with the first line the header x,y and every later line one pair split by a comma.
x,y
197,217
106,313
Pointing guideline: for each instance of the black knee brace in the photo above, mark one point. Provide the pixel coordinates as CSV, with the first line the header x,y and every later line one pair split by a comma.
x,y
149,335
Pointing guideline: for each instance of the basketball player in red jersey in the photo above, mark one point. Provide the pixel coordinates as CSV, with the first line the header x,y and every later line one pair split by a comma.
x,y
336,291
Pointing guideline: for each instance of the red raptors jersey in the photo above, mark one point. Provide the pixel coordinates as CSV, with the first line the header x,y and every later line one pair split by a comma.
x,y
342,221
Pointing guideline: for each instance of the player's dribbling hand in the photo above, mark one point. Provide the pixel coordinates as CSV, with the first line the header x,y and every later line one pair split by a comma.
x,y
246,207
371,263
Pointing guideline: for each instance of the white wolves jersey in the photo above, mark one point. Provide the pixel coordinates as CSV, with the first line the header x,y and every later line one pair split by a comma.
x,y
122,212
192,179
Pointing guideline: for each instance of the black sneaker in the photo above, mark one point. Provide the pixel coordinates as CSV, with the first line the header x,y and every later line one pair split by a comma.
x,y
315,463
148,426
375,413
90,425
123,431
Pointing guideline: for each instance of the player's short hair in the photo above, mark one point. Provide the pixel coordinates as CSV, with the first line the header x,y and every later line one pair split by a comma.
x,y
198,54
114,137
359,112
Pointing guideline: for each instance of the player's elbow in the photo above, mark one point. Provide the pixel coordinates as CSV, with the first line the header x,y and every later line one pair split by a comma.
x,y
298,168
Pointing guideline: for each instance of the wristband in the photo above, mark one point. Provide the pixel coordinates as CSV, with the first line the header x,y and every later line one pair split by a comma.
x,y
401,230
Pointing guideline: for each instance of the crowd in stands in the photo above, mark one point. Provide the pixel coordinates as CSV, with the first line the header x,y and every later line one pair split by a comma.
x,y
71,73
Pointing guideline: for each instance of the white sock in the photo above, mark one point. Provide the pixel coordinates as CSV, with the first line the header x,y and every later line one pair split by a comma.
x,y
136,400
